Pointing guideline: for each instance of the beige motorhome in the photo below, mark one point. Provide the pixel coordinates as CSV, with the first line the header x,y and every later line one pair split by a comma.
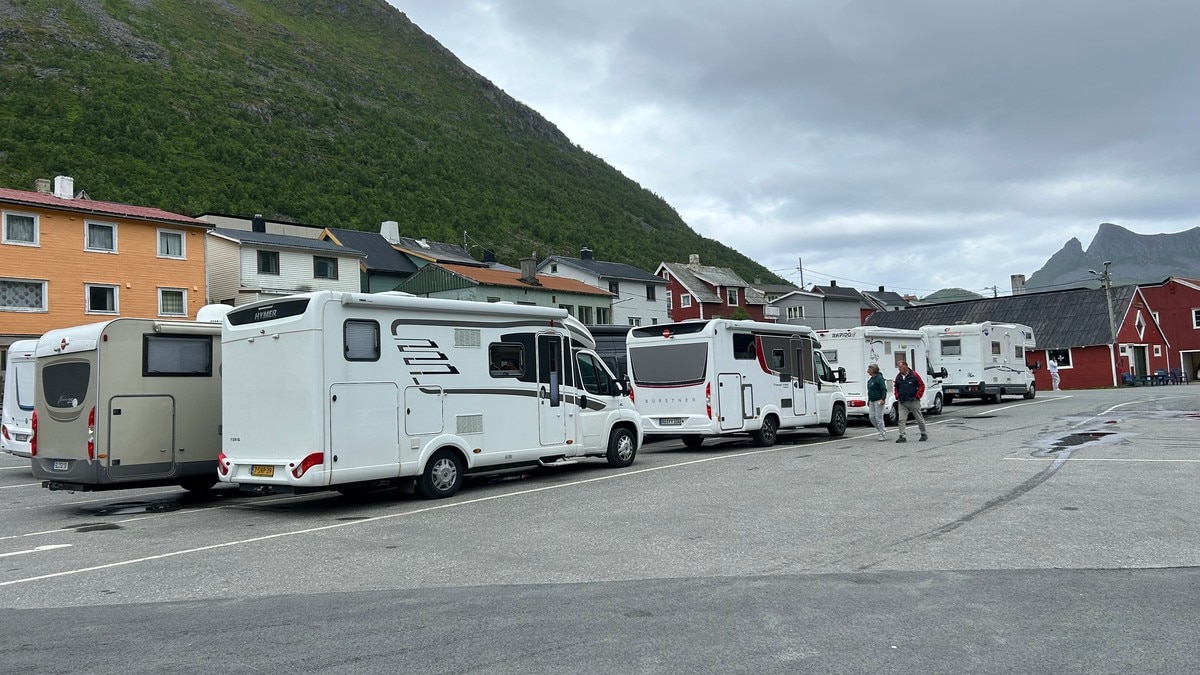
x,y
129,403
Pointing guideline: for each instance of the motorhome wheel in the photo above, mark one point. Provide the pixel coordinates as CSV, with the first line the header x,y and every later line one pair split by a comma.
x,y
937,405
198,483
622,448
1031,391
837,423
692,441
443,475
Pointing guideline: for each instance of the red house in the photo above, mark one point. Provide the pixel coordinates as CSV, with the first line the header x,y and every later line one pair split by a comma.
x,y
696,291
1175,304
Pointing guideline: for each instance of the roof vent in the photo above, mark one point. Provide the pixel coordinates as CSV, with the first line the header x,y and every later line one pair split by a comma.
x,y
423,243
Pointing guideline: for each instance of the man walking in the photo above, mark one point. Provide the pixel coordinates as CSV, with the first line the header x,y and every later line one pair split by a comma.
x,y
909,387
1052,365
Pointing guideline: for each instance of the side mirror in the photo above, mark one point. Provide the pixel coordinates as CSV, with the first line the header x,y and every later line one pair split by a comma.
x,y
841,375
583,402
943,373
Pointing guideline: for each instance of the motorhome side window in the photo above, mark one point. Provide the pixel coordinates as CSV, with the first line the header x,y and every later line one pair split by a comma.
x,y
951,347
824,372
361,340
830,355
506,359
743,346
996,349
1020,352
177,355
65,384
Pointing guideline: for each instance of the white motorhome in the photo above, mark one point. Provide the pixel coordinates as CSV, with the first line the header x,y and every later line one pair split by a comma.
x,y
17,424
705,379
350,390
129,403
856,348
983,360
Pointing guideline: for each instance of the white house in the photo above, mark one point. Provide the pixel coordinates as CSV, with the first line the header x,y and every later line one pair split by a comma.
x,y
641,297
244,267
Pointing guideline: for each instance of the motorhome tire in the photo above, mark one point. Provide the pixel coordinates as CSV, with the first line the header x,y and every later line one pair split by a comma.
x,y
198,483
443,475
949,398
937,405
767,433
692,441
892,416
992,398
622,448
1030,392
837,421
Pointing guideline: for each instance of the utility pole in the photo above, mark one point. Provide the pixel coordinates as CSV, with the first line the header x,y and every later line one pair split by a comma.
x,y
1106,278
800,266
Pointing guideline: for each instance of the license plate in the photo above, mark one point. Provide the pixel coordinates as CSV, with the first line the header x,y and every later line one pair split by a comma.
x,y
263,471
22,437
670,421
61,466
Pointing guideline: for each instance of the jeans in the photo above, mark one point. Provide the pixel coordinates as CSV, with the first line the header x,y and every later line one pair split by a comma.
x,y
875,414
910,408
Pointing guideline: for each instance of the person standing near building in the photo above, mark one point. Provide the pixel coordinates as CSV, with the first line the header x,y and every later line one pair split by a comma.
x,y
876,398
909,388
1052,366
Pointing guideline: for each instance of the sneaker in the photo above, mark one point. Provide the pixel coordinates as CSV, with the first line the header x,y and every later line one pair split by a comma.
x,y
883,438
901,440
923,438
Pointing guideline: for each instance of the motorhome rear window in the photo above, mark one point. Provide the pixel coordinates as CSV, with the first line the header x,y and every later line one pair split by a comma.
x,y
23,371
669,365
743,346
177,355
361,340
64,385
275,310
951,347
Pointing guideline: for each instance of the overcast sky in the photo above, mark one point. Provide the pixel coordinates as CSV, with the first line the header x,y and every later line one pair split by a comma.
x,y
917,144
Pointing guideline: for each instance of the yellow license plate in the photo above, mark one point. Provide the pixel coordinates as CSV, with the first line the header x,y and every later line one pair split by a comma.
x,y
264,471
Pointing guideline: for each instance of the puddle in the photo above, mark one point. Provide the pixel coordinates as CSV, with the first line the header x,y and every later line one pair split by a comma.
x,y
94,527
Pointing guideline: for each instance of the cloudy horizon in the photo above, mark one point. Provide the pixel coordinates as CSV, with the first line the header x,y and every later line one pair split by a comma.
x,y
917,146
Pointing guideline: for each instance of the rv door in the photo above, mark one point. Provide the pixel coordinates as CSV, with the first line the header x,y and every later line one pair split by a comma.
x,y
804,378
552,418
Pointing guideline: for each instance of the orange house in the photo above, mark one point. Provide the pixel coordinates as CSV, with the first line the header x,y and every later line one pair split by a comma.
x,y
67,260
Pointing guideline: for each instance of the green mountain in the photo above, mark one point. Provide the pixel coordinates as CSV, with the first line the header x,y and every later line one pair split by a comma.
x,y
329,112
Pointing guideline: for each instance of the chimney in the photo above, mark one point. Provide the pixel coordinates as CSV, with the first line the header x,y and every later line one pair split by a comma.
x,y
489,256
832,283
585,253
1018,284
881,289
529,270
390,230
42,185
694,259
258,223
64,187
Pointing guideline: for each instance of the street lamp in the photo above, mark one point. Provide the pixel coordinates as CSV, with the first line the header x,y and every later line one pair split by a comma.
x,y
1106,277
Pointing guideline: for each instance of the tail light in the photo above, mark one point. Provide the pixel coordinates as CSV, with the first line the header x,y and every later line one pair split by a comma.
x,y
92,434
4,432
708,399
309,462
857,403
631,395
33,436
222,464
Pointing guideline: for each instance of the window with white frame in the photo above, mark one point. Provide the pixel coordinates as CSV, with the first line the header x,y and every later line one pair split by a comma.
x,y
324,268
101,237
1158,350
685,300
21,295
635,321
732,295
172,302
585,314
20,228
1060,356
1196,318
614,287
171,244
101,298
796,312
602,315
268,262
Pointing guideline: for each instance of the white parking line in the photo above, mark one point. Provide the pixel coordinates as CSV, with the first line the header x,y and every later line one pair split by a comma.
x,y
1051,458
6,487
14,468
47,547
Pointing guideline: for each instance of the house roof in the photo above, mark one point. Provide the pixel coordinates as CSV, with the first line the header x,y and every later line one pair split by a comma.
x,y
887,298
285,241
497,277
773,288
30,198
698,279
843,292
1074,317
436,251
796,295
605,269
379,256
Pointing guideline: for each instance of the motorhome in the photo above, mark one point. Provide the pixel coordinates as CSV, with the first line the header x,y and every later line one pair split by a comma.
x,y
610,345
983,360
720,377
856,348
16,425
129,403
347,391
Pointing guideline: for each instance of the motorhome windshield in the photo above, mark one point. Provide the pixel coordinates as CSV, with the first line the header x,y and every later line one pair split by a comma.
x,y
669,365
23,371
65,385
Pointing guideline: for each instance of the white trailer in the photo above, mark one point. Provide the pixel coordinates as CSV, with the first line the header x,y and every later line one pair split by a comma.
x,y
16,425
855,348
129,403
983,360
346,391
705,379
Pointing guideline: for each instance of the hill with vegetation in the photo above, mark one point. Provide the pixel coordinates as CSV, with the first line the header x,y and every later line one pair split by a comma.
x,y
340,113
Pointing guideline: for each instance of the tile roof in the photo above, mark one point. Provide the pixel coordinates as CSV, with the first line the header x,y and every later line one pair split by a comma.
x,y
1074,317
436,251
887,298
379,254
699,280
498,277
30,198
286,241
605,269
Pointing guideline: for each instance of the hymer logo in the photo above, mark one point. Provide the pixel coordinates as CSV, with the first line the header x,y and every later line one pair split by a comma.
x,y
266,314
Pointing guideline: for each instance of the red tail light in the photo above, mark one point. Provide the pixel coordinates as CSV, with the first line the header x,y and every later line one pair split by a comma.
x,y
631,395
92,434
33,436
309,462
222,464
4,432
708,399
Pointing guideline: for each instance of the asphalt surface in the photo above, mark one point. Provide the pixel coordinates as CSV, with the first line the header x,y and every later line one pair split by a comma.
x,y
1054,535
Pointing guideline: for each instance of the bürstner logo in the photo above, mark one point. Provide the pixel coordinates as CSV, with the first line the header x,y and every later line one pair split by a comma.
x,y
265,314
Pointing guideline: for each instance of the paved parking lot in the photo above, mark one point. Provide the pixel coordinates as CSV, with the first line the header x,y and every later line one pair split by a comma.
x,y
1027,536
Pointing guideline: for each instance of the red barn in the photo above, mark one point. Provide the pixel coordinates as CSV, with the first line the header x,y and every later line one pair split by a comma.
x,y
1175,303
696,291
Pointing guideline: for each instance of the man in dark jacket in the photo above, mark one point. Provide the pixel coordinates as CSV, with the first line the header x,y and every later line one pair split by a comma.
x,y
909,388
